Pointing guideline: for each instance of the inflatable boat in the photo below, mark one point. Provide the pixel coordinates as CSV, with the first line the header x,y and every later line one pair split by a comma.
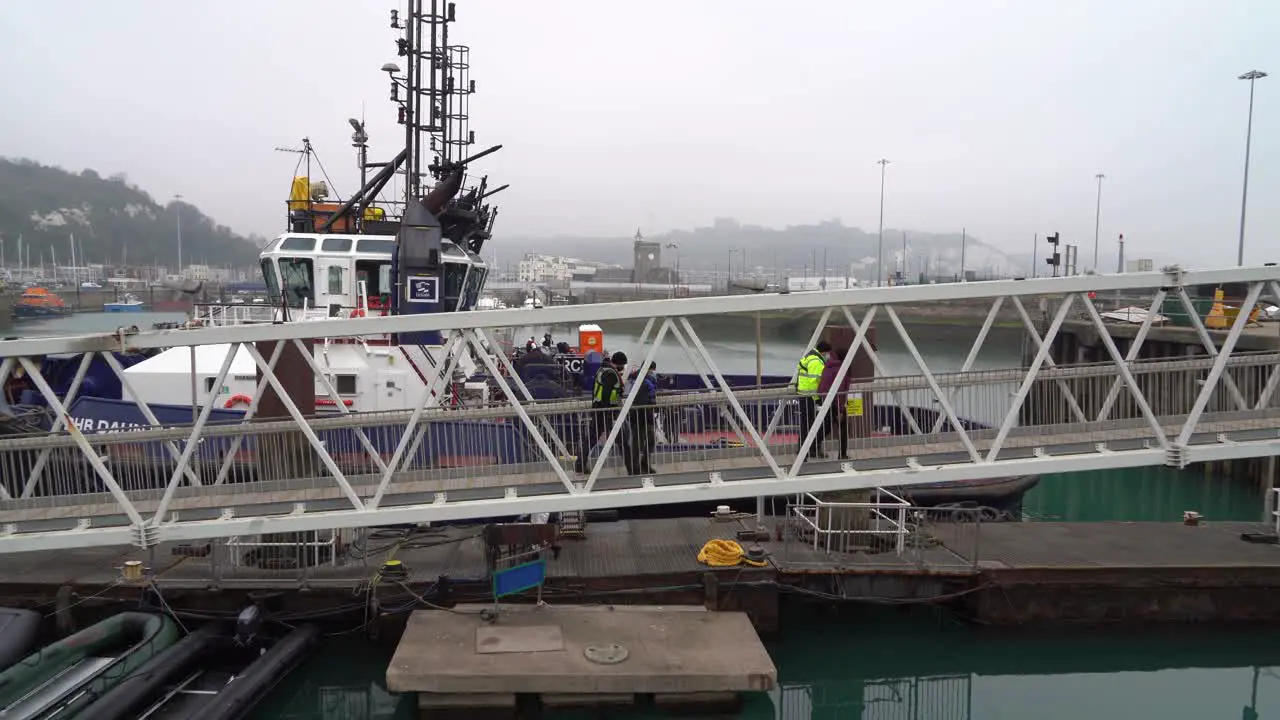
x,y
61,679
19,632
217,672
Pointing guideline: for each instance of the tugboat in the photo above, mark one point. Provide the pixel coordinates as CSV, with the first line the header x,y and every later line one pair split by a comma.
x,y
366,256
39,303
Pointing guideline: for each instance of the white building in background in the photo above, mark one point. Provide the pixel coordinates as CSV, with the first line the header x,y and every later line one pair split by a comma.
x,y
209,273
801,284
542,268
1139,265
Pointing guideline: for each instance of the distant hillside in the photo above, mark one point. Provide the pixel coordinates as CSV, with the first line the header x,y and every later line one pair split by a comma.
x,y
796,247
110,219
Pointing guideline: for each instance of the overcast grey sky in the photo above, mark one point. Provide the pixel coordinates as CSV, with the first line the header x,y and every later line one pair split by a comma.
x,y
660,114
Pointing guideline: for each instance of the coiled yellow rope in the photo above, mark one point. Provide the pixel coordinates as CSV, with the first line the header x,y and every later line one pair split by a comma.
x,y
725,553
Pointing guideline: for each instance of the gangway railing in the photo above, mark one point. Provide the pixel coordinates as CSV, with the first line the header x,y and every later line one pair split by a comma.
x,y
909,423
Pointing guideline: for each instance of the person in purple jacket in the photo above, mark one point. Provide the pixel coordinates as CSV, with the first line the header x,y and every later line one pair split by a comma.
x,y
837,415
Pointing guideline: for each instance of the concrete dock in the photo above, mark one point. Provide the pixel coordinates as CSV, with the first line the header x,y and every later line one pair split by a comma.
x,y
996,573
567,652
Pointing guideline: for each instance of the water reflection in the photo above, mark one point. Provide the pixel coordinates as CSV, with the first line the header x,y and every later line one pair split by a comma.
x,y
343,680
877,664
1248,692
891,669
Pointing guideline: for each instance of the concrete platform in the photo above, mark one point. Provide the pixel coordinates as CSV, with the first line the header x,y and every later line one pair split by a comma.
x,y
658,650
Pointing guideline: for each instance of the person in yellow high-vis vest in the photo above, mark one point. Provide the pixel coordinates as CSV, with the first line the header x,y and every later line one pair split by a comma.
x,y
808,379
606,395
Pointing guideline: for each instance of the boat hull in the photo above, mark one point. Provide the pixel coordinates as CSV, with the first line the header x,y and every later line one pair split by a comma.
x,y
206,676
37,312
122,307
19,631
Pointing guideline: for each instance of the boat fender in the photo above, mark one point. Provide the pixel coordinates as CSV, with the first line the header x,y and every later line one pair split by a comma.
x,y
237,400
248,623
357,313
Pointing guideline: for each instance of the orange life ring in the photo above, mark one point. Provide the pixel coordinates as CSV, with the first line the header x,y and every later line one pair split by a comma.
x,y
357,313
238,399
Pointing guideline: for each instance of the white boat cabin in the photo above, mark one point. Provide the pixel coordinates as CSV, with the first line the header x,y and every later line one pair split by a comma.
x,y
323,276
366,377
346,274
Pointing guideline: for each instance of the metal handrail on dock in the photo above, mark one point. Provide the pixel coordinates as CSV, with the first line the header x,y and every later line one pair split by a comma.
x,y
839,526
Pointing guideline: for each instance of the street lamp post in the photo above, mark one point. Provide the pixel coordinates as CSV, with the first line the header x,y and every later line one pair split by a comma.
x,y
880,256
177,212
1097,220
675,283
1251,76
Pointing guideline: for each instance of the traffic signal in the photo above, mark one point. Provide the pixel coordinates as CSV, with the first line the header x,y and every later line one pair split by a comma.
x,y
1055,259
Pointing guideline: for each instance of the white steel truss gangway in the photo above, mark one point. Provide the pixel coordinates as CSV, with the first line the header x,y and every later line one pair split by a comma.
x,y
66,488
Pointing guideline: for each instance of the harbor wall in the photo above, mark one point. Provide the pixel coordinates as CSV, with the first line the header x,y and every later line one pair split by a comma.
x,y
160,299
1123,596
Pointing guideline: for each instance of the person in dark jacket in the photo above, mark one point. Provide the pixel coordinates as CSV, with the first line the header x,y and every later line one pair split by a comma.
x,y
838,414
640,424
606,394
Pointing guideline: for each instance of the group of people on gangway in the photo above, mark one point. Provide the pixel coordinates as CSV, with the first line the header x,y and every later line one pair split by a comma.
x,y
638,437
815,379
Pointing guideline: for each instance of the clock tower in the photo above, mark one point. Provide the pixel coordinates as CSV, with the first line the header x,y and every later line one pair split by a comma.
x,y
646,259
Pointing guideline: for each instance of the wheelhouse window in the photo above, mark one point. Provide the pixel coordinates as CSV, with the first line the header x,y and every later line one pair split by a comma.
x,y
296,276
475,283
336,273
455,277
376,274
304,244
335,244
376,246
272,280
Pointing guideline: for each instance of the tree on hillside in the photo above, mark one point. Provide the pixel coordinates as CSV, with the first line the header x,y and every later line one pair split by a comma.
x,y
109,219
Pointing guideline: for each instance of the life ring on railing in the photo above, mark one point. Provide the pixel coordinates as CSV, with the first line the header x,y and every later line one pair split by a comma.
x,y
237,400
357,313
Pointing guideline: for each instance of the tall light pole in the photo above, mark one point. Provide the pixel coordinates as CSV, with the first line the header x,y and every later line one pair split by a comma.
x,y
1251,76
1097,220
880,257
675,280
177,212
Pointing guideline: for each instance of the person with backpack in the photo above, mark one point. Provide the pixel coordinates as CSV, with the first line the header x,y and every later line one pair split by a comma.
x,y
606,395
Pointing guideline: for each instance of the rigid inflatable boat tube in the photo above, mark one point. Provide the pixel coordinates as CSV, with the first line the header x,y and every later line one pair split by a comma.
x,y
134,693
261,676
19,631
133,637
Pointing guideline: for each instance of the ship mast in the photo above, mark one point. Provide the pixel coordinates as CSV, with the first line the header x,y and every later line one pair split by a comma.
x,y
435,111
433,98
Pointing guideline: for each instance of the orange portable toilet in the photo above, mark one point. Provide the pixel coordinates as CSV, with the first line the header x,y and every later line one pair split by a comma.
x,y
590,337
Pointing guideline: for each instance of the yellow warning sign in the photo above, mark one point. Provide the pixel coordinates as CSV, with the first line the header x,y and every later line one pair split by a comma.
x,y
853,407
